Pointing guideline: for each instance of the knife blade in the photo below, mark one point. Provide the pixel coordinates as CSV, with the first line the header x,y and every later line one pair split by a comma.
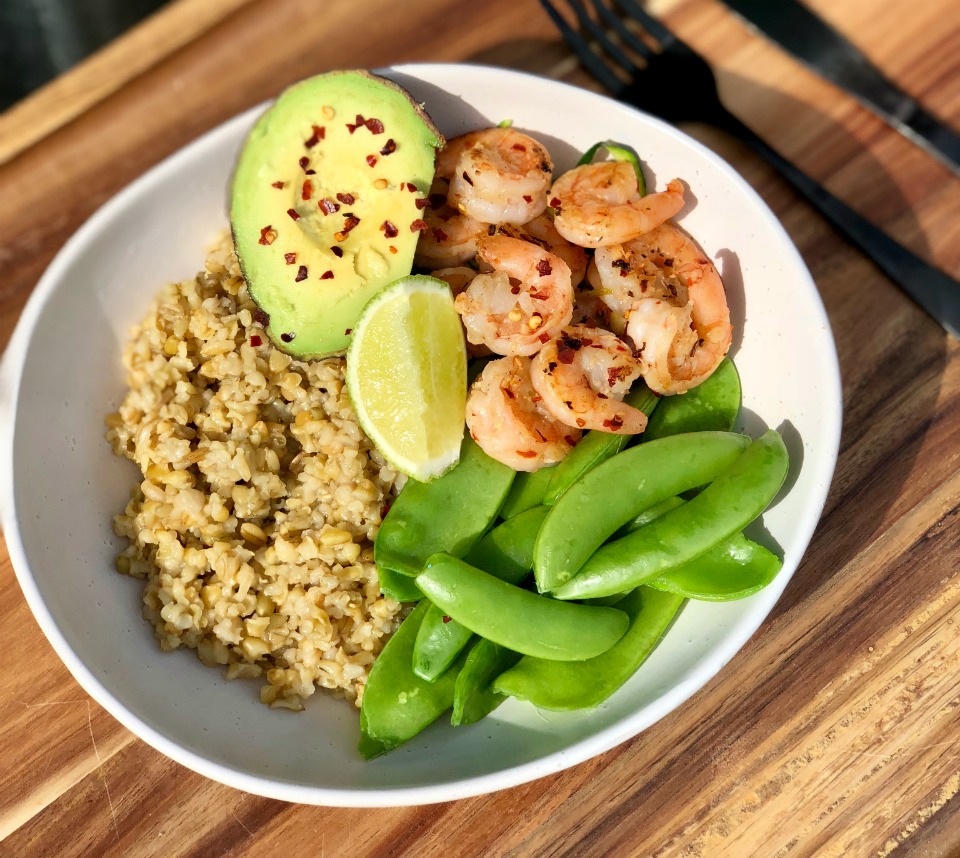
x,y
813,41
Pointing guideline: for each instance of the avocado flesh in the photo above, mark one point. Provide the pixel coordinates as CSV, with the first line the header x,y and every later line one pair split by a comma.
x,y
324,216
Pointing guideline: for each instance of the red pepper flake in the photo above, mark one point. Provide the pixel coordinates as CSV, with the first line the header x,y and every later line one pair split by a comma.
x,y
527,198
581,423
372,160
327,275
445,619
287,338
256,341
519,147
319,132
337,251
527,454
291,258
307,190
566,349
356,124
413,188
392,249
570,440
544,338
418,225
304,162
301,274
374,126
261,317
384,510
508,393
349,223
439,234
544,268
268,235
614,423
278,185
294,214
389,230
422,203
328,206
466,178
555,202
514,290
389,147
347,199
346,331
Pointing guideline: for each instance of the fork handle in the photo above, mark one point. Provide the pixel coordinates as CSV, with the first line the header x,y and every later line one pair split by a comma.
x,y
936,292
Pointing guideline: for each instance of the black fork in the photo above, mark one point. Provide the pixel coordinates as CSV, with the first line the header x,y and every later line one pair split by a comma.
x,y
642,63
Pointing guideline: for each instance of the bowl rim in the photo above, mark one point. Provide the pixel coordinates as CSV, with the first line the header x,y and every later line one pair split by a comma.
x,y
11,370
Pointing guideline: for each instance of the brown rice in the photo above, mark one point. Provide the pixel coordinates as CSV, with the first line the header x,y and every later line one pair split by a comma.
x,y
254,523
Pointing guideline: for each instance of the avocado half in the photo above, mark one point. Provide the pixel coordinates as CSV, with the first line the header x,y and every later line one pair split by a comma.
x,y
326,204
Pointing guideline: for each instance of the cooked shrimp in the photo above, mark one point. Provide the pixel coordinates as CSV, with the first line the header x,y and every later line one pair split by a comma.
x,y
682,332
523,302
616,297
541,231
599,204
589,308
502,176
506,419
450,238
582,375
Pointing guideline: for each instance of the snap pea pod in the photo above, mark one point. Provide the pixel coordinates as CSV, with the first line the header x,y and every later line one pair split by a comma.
x,y
527,491
733,569
397,704
506,552
618,152
473,698
596,447
712,405
603,499
734,499
446,514
518,619
400,587
584,684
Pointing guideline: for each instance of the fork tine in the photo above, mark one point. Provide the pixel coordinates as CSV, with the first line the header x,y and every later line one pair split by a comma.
x,y
631,40
590,60
605,42
651,24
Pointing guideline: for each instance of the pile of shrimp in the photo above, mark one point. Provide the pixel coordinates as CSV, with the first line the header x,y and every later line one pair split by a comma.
x,y
579,284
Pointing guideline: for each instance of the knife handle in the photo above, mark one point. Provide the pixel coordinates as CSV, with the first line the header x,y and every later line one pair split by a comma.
x,y
932,289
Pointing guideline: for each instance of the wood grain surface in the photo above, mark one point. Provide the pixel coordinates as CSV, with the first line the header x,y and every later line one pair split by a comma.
x,y
833,733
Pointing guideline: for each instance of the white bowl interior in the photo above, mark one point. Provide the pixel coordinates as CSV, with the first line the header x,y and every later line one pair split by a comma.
x,y
63,374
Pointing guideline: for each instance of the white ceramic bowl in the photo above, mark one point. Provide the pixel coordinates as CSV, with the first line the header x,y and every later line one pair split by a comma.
x,y
62,484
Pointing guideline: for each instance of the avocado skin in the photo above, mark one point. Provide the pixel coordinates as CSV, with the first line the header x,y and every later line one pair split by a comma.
x,y
324,209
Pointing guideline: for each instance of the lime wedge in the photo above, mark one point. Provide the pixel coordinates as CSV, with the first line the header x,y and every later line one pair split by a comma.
x,y
407,375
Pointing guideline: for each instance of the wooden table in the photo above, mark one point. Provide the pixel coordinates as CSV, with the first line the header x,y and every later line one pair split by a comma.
x,y
833,733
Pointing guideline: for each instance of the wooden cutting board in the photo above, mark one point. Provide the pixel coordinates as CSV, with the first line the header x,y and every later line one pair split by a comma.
x,y
833,733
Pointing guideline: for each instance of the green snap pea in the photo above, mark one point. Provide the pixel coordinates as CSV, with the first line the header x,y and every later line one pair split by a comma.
x,y
712,405
400,587
518,619
733,569
447,514
607,497
396,703
618,152
734,499
585,684
527,491
506,552
473,698
596,447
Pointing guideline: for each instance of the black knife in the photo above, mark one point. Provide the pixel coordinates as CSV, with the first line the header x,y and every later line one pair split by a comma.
x,y
794,27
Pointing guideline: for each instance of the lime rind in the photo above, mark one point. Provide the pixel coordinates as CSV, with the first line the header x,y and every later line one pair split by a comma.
x,y
406,375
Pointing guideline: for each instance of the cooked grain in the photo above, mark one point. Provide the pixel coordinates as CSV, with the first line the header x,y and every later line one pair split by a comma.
x,y
253,525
